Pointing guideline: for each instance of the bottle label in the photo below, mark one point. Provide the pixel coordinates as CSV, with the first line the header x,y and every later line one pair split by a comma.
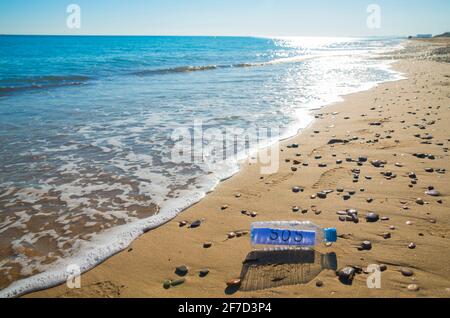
x,y
267,236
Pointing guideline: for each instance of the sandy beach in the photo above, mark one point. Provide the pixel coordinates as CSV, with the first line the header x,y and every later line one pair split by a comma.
x,y
382,151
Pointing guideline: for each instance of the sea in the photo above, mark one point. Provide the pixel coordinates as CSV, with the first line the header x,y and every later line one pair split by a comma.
x,y
92,127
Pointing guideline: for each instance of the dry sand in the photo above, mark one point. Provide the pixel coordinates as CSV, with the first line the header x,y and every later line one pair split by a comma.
x,y
401,109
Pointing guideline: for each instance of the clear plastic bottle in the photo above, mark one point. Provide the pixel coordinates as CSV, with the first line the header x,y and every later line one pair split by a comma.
x,y
293,234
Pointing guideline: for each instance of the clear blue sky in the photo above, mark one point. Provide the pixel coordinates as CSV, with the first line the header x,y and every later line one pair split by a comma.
x,y
225,17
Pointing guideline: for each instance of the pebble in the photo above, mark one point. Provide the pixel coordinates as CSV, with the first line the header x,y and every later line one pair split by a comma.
x,y
177,282
411,246
234,282
295,209
420,201
322,195
362,159
207,245
203,272
224,207
412,175
413,287
346,275
319,283
166,284
181,270
366,245
183,223
372,217
433,193
297,189
386,235
231,235
407,272
195,224
377,163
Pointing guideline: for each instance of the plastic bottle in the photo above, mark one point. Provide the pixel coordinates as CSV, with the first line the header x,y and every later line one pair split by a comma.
x,y
294,234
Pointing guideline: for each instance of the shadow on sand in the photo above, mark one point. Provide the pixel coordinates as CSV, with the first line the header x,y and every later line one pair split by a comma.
x,y
269,269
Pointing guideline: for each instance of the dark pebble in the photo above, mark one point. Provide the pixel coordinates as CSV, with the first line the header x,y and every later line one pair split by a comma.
x,y
346,275
372,217
181,270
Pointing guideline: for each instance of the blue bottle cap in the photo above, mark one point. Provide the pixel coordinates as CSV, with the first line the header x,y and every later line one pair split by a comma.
x,y
330,235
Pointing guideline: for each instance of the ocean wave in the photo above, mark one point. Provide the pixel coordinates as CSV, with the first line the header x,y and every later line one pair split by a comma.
x,y
12,85
189,69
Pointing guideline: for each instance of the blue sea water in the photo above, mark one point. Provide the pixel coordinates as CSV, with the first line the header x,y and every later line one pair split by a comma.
x,y
86,124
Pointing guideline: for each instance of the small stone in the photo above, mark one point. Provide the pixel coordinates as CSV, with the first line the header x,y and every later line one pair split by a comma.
x,y
407,272
296,189
207,245
224,207
386,235
433,193
181,270
237,195
319,283
383,267
183,223
234,283
362,159
178,282
253,214
231,235
420,201
372,217
322,195
195,224
366,245
413,287
377,163
346,275
295,209
203,272
411,246
166,284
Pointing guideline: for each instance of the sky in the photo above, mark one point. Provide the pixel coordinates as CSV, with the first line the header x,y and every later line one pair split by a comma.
x,y
227,17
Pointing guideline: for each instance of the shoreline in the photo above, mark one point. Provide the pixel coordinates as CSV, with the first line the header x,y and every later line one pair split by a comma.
x,y
106,279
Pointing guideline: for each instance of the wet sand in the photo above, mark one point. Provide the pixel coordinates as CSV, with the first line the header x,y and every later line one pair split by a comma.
x,y
389,123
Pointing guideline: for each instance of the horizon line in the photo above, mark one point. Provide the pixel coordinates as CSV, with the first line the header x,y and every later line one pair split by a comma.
x,y
205,35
